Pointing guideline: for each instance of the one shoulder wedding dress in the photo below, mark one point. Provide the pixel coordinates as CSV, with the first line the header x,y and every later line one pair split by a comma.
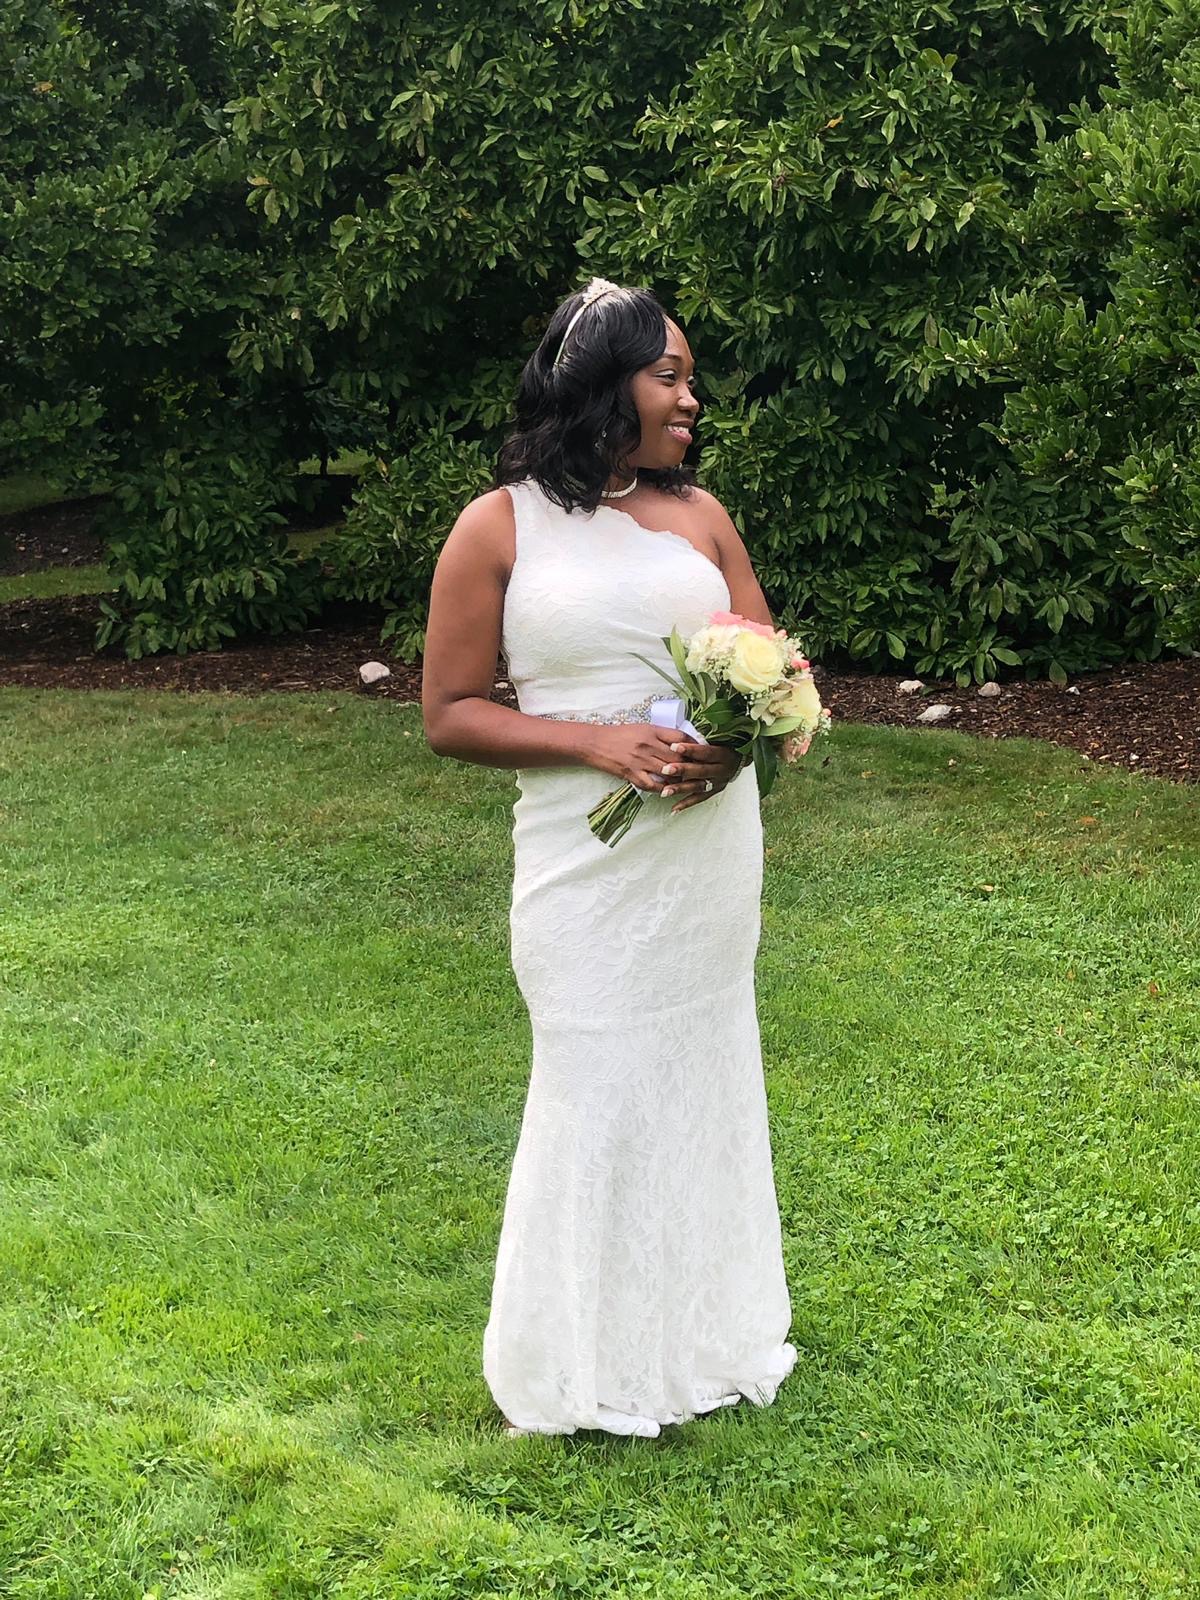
x,y
639,1278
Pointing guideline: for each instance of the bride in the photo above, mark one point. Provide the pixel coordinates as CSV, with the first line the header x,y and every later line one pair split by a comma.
x,y
639,1277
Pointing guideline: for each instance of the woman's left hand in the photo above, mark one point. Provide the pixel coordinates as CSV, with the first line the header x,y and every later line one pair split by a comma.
x,y
692,764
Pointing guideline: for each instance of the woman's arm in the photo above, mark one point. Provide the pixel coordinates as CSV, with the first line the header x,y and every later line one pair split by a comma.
x,y
745,596
462,643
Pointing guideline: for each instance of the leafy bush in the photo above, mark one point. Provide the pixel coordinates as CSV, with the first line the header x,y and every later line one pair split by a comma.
x,y
195,547
1099,354
344,229
842,186
396,527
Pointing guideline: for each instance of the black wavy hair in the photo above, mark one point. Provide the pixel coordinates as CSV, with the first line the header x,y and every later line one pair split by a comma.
x,y
575,422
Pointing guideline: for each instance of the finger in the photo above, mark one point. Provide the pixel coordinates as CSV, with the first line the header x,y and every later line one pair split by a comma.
x,y
703,755
694,787
693,800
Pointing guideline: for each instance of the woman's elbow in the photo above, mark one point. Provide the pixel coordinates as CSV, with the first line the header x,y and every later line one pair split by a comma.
x,y
434,723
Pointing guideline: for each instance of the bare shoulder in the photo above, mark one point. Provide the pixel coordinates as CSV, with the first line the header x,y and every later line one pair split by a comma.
x,y
485,532
717,520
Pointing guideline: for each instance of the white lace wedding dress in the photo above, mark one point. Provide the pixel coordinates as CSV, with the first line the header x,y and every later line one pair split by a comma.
x,y
639,1277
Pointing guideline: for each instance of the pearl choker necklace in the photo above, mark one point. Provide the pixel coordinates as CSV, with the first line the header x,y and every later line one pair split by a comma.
x,y
616,494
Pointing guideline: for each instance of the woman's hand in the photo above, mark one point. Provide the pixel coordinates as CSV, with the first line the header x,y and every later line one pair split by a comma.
x,y
694,763
638,752
663,760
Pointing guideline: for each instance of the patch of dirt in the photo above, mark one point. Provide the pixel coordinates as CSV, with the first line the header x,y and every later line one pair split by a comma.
x,y
51,536
1144,717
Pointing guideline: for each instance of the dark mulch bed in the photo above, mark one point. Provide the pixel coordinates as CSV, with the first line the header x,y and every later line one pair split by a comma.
x,y
1143,717
50,536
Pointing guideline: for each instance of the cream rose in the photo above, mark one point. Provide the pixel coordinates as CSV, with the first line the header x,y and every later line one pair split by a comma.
x,y
755,663
803,701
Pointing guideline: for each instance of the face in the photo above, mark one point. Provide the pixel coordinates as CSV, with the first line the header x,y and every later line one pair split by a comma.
x,y
666,403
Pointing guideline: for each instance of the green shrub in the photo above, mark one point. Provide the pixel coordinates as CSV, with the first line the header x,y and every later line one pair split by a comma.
x,y
843,179
345,229
1099,355
396,527
194,543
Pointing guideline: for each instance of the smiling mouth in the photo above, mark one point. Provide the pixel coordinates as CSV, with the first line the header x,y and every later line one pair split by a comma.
x,y
680,431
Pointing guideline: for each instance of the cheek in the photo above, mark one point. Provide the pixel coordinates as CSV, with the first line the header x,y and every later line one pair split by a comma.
x,y
643,401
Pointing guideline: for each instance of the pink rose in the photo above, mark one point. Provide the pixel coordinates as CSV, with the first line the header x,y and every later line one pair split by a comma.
x,y
725,619
795,746
800,664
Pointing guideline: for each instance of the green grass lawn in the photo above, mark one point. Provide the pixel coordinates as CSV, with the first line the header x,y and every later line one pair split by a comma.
x,y
25,491
263,1062
55,581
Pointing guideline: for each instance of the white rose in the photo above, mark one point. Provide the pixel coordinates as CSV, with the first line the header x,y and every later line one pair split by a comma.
x,y
755,663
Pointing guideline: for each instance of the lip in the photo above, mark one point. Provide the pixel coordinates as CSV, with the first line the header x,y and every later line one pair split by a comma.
x,y
681,431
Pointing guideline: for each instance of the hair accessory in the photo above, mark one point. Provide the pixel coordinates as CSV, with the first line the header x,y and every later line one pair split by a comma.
x,y
596,288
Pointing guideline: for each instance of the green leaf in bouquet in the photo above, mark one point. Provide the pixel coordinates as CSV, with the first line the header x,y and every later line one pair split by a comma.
x,y
728,724
678,688
707,685
766,764
679,656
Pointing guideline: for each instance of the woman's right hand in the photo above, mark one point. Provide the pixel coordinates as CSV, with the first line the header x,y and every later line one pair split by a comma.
x,y
637,752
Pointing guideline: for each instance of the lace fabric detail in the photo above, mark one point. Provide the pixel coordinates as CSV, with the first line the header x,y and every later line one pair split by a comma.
x,y
639,1274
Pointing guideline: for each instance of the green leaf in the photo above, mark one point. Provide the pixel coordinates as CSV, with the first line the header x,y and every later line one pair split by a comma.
x,y
678,688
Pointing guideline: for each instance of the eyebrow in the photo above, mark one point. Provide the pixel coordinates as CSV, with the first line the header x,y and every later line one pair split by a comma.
x,y
671,360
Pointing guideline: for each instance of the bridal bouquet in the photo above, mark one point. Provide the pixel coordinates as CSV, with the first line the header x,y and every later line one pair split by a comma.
x,y
741,684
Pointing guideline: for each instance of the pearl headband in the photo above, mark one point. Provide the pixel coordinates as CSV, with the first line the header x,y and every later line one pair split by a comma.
x,y
594,291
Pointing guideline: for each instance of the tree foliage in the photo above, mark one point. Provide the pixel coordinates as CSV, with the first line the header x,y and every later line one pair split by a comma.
x,y
1099,354
292,227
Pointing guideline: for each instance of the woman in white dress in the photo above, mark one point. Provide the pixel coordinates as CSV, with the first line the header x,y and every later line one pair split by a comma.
x,y
639,1276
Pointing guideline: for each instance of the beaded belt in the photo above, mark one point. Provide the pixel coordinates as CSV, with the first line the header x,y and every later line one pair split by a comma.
x,y
637,713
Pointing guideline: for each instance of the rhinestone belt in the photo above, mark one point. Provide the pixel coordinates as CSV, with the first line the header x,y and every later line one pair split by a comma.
x,y
637,713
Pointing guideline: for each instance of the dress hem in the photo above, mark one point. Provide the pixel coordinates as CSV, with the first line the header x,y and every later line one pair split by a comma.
x,y
625,1424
